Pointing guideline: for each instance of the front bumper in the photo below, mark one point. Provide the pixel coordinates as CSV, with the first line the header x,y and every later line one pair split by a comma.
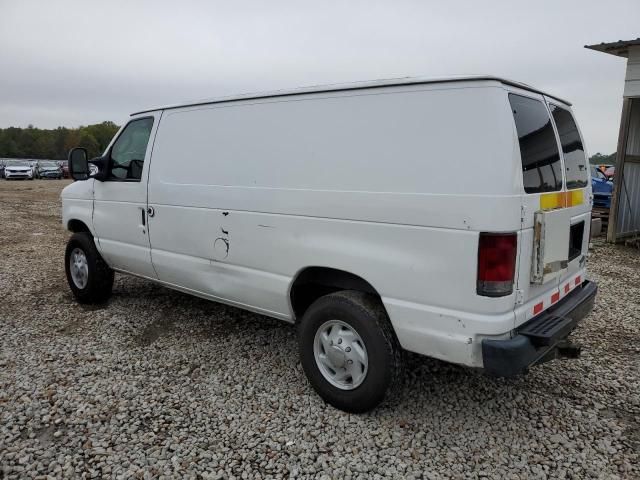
x,y
537,340
9,175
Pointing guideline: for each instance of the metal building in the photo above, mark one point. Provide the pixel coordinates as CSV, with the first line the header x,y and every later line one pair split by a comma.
x,y
624,216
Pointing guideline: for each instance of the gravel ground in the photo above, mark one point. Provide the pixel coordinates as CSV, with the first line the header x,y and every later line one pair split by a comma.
x,y
157,384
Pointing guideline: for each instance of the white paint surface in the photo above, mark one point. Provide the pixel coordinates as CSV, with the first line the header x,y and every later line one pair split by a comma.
x,y
391,184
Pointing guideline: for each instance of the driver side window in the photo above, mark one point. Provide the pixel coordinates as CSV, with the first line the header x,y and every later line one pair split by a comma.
x,y
128,151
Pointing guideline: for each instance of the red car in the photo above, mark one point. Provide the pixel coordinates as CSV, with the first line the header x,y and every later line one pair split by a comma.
x,y
610,172
65,169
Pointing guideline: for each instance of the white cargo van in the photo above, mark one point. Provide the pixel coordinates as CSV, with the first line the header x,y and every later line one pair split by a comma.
x,y
447,217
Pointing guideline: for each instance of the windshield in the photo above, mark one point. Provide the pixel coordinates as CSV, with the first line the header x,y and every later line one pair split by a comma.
x,y
15,163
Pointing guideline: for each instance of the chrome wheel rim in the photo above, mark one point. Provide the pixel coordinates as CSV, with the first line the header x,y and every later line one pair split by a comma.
x,y
79,268
340,354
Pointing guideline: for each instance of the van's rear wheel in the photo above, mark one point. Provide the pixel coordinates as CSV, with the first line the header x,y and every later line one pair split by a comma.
x,y
88,275
349,351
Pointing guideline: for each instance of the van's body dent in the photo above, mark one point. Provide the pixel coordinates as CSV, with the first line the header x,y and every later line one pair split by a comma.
x,y
392,183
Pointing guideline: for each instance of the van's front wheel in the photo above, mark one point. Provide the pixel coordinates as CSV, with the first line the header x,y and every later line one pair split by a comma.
x,y
88,275
349,351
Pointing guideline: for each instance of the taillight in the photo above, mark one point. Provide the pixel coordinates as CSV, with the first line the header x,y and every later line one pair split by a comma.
x,y
496,264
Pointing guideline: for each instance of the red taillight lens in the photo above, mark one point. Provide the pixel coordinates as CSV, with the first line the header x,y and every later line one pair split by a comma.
x,y
496,264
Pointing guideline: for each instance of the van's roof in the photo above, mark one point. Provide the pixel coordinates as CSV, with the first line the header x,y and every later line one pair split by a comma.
x,y
387,82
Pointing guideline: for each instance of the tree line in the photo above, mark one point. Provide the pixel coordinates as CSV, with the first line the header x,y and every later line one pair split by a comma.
x,y
600,159
55,143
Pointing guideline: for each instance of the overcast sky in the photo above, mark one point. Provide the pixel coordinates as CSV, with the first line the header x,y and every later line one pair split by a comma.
x,y
79,62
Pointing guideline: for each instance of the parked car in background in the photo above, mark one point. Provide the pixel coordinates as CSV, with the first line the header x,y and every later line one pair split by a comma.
x,y
610,172
607,170
1,168
602,188
64,165
18,169
48,169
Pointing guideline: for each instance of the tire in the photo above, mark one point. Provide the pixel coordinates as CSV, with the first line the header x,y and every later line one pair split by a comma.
x,y
99,276
364,314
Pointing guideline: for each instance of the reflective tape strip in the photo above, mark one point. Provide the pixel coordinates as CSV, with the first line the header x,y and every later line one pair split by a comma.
x,y
574,197
555,297
537,308
554,200
551,201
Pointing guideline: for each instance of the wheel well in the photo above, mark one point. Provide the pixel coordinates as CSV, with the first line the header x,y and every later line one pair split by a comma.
x,y
315,282
76,226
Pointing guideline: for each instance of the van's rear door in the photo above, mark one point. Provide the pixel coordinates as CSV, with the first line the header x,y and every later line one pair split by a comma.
x,y
578,196
546,260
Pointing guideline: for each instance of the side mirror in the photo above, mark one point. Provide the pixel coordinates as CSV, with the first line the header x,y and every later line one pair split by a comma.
x,y
78,164
98,168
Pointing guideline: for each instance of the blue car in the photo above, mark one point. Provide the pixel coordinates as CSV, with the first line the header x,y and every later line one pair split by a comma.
x,y
602,188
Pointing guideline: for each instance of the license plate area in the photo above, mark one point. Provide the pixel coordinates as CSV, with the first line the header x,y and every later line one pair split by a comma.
x,y
551,237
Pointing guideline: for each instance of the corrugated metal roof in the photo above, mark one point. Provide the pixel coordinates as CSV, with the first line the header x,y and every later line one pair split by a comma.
x,y
390,82
619,48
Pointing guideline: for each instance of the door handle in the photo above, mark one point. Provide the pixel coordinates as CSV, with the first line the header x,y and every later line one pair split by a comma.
x,y
143,225
150,211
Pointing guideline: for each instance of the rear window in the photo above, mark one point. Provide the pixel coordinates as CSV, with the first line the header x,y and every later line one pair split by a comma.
x,y
575,160
541,168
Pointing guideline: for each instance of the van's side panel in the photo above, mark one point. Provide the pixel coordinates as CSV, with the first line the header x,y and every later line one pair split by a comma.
x,y
376,183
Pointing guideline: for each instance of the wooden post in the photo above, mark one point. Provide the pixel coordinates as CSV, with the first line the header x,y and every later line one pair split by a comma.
x,y
620,158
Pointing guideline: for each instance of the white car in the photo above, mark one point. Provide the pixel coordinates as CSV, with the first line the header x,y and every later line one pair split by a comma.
x,y
320,207
16,169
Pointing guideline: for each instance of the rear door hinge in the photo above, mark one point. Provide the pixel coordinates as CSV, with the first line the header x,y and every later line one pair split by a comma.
x,y
519,297
523,212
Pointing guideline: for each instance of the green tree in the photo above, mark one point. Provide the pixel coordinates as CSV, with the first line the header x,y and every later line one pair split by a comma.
x,y
600,159
89,142
103,133
44,145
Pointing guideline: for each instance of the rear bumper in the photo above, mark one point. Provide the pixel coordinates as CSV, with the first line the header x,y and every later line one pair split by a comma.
x,y
538,339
